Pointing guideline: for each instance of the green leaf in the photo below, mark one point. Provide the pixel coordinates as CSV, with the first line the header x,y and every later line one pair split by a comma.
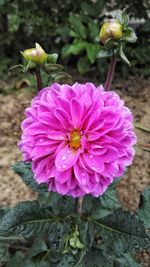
x,y
93,9
144,207
127,260
129,35
25,263
61,76
19,66
73,49
23,169
92,51
58,204
52,68
110,44
122,17
88,9
2,2
83,65
106,204
17,261
103,53
87,233
70,260
57,239
27,219
95,258
52,58
4,255
94,29
49,199
121,232
41,263
38,246
63,31
77,26
67,261
123,56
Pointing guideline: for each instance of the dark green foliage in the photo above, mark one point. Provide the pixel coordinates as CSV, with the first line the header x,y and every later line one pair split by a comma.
x,y
144,207
121,232
55,235
25,172
127,260
26,219
104,235
4,255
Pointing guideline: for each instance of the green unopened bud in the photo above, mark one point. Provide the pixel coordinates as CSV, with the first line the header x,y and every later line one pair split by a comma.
x,y
111,29
37,54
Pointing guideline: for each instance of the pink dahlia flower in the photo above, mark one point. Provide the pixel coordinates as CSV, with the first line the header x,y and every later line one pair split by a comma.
x,y
79,138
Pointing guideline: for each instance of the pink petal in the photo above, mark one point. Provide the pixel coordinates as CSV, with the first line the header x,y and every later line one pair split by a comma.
x,y
61,188
96,149
76,112
81,175
54,135
94,162
110,155
62,177
63,118
66,158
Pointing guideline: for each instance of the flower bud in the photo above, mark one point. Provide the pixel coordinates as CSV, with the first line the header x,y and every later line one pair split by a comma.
x,y
36,54
111,29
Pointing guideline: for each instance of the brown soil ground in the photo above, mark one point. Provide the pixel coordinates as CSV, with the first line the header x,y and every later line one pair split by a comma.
x,y
136,95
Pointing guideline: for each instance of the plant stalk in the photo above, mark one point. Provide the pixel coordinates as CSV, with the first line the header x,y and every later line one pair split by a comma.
x,y
110,73
38,79
78,205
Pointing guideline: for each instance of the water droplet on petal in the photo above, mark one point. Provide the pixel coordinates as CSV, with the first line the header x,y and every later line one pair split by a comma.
x,y
83,174
64,157
91,156
64,166
68,151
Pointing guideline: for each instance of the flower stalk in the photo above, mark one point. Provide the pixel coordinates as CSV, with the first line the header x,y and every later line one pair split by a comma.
x,y
78,205
38,79
110,74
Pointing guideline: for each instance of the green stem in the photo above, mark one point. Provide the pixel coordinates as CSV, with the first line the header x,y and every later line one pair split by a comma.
x,y
38,79
78,205
110,73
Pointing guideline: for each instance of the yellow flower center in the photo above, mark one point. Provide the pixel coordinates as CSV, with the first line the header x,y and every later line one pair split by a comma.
x,y
75,138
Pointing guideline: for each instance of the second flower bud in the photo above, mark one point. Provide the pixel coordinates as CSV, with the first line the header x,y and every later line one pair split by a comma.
x,y
111,29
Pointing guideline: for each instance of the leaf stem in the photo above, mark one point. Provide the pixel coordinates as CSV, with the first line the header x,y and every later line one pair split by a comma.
x,y
78,205
38,79
110,74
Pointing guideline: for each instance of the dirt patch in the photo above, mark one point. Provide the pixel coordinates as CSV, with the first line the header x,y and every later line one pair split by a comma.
x,y
136,95
12,189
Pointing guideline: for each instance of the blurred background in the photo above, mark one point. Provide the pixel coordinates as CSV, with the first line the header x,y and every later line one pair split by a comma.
x,y
70,28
